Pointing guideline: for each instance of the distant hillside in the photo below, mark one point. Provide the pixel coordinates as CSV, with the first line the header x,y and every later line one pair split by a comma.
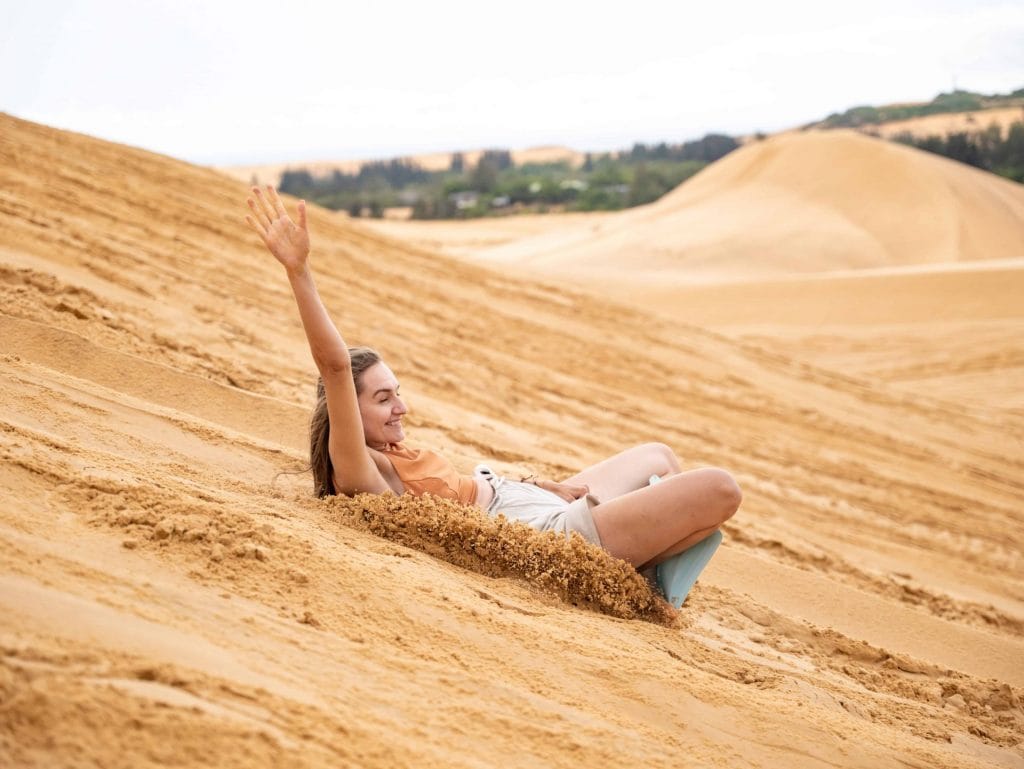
x,y
974,122
270,173
502,182
944,103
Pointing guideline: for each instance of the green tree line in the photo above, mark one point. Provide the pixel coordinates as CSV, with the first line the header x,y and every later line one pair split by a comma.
x,y
495,185
988,149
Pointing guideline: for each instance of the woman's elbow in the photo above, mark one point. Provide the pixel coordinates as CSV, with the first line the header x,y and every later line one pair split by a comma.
x,y
334,365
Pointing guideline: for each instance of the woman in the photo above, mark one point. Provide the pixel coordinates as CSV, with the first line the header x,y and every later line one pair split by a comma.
x,y
357,443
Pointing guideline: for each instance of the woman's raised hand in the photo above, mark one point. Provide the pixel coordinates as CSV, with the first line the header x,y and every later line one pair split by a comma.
x,y
287,241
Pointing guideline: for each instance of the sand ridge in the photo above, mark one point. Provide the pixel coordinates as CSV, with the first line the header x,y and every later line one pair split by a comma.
x,y
147,535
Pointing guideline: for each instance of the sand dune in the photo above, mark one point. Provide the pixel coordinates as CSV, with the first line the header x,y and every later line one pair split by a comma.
x,y
168,597
795,203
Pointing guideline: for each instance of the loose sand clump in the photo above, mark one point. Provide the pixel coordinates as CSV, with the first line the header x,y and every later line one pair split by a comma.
x,y
574,569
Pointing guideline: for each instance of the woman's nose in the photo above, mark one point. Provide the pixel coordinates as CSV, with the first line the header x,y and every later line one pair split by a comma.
x,y
400,407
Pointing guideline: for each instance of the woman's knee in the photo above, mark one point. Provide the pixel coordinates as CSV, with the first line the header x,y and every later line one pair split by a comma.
x,y
663,459
724,492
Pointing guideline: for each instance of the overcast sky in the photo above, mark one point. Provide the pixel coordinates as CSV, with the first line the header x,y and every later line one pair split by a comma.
x,y
229,82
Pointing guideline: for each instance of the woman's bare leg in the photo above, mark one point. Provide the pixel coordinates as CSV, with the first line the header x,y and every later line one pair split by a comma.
x,y
627,471
680,546
651,523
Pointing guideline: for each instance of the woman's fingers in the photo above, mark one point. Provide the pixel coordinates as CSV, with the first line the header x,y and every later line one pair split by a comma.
x,y
268,210
275,201
560,491
260,229
577,491
564,490
302,214
259,214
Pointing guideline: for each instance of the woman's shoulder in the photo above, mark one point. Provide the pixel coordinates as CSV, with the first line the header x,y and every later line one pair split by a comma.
x,y
384,465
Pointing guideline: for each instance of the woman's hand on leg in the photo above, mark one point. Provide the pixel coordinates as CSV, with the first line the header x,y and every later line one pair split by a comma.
x,y
567,491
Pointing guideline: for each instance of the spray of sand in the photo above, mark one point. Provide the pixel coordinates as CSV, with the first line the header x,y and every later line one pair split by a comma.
x,y
574,569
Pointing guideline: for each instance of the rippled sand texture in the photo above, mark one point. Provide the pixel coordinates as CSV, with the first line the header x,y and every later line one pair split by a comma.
x,y
170,594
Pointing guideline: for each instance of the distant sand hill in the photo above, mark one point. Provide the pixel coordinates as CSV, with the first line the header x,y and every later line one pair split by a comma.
x,y
169,597
795,203
947,123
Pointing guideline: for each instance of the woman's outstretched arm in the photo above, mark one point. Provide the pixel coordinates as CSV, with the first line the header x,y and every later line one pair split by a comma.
x,y
354,469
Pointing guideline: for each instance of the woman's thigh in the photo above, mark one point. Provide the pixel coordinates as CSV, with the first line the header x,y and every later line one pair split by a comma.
x,y
627,471
642,524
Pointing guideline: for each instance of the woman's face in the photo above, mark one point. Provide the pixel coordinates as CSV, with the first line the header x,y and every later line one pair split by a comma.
x,y
380,407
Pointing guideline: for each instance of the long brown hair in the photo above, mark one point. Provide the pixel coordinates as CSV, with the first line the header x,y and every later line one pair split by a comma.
x,y
320,425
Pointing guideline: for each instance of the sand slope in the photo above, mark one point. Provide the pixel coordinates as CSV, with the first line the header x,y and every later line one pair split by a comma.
x,y
952,331
166,596
476,238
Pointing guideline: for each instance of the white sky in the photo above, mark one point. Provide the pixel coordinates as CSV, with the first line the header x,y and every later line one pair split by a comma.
x,y
232,82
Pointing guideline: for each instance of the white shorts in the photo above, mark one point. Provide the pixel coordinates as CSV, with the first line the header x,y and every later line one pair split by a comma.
x,y
540,509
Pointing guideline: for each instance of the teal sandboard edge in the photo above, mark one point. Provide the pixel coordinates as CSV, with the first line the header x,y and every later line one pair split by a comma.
x,y
677,575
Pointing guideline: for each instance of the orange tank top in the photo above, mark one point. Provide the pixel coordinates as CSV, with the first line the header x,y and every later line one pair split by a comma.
x,y
422,471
